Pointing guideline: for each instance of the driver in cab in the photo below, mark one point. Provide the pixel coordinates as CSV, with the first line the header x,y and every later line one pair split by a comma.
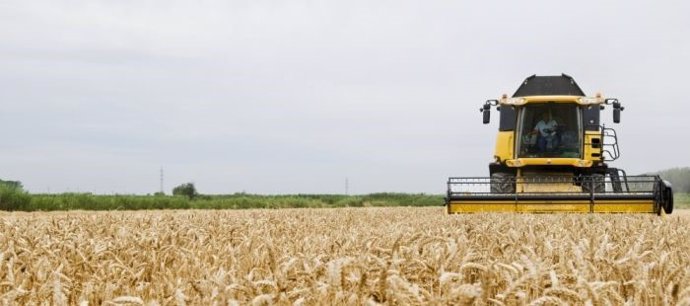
x,y
546,132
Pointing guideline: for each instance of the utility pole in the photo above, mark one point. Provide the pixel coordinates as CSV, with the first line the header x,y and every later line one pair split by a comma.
x,y
347,186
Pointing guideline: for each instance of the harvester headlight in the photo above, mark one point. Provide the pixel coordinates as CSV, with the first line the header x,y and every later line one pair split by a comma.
x,y
589,100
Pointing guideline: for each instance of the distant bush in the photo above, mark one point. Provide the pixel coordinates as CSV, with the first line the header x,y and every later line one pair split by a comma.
x,y
87,201
186,189
12,197
11,184
405,199
16,199
679,177
681,200
353,201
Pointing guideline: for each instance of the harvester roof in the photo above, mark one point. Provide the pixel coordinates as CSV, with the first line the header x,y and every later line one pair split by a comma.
x,y
560,85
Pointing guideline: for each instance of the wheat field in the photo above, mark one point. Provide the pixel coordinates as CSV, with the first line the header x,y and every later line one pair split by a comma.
x,y
348,256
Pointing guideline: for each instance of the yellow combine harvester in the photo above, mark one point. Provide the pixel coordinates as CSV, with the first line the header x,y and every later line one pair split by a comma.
x,y
551,156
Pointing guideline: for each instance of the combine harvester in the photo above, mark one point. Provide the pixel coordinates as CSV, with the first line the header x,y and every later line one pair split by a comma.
x,y
551,156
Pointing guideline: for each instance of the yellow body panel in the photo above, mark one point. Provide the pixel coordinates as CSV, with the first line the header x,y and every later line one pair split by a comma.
x,y
631,206
556,99
522,187
589,150
505,144
575,162
599,206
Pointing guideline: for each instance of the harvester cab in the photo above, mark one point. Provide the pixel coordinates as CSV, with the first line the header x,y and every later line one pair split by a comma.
x,y
552,154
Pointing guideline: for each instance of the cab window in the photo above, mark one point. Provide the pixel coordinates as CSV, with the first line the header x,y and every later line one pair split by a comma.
x,y
549,130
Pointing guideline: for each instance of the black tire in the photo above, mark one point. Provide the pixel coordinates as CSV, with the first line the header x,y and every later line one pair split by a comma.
x,y
595,182
502,182
668,200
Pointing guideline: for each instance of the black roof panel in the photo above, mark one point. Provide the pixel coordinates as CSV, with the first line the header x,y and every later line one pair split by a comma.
x,y
559,85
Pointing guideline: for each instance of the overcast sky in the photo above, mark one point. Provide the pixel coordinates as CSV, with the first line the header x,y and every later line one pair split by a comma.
x,y
296,96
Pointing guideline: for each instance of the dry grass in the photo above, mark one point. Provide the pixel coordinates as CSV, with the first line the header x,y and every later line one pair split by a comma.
x,y
342,256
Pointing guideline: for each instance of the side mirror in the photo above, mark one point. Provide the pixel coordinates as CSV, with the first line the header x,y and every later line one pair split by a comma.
x,y
616,115
486,112
617,108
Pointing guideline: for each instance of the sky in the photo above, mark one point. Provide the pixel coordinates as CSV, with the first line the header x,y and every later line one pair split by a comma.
x,y
277,97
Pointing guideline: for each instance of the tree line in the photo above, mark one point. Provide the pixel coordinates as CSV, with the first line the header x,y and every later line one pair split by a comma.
x,y
679,177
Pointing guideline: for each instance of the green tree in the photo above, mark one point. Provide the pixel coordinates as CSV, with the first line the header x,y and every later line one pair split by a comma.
x,y
679,177
186,189
12,184
12,196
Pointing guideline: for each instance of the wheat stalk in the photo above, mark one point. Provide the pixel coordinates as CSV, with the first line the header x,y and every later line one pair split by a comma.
x,y
346,256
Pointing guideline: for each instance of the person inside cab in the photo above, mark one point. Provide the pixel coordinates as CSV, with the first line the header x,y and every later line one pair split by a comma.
x,y
546,133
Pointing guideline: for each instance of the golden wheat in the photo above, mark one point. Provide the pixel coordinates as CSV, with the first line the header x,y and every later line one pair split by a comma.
x,y
342,256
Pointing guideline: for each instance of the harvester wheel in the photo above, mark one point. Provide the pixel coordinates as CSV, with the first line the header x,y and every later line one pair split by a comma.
x,y
502,182
668,200
596,182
